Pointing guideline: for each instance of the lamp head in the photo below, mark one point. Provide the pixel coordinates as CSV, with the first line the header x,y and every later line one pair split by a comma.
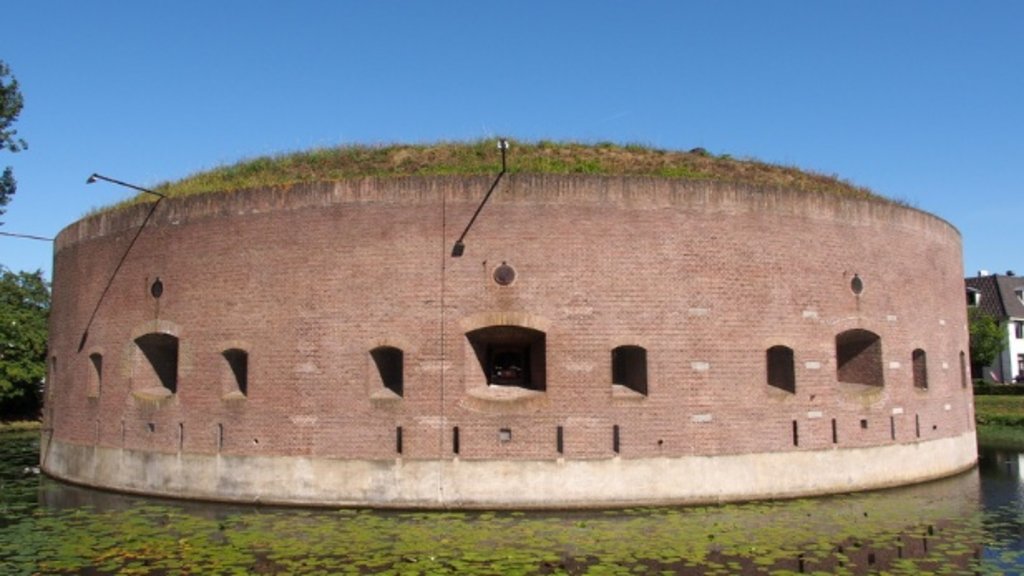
x,y
91,179
458,249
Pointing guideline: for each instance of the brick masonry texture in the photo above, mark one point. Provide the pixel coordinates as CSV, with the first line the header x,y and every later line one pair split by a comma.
x,y
308,280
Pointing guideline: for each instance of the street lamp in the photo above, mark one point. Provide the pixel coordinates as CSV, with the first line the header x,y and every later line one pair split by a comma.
x,y
92,180
160,197
459,247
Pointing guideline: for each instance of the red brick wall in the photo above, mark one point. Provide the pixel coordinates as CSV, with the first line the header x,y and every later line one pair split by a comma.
x,y
705,277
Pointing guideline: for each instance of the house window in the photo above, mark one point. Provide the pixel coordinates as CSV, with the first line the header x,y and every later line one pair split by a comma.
x,y
1018,329
629,368
511,356
859,357
1020,294
1020,367
238,370
919,360
780,371
390,367
161,351
973,297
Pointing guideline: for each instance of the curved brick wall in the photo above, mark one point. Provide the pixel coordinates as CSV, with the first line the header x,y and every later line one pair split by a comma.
x,y
320,345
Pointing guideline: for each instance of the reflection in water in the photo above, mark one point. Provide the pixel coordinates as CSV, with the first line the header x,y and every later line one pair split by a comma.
x,y
967,524
854,534
1003,501
1003,482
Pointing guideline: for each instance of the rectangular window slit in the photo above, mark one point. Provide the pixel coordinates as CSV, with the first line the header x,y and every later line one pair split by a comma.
x,y
835,432
559,440
917,425
892,427
455,440
796,433
398,439
181,435
220,437
615,438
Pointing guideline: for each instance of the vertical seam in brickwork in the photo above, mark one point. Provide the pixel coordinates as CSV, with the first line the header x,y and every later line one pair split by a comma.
x,y
443,425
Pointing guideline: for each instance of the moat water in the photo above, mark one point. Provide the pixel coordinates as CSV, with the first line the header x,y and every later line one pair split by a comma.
x,y
969,524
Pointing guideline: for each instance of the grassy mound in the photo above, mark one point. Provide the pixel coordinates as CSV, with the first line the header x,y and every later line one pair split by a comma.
x,y
483,158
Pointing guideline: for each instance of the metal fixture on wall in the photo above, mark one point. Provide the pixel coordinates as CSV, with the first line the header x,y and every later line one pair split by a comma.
x,y
160,197
459,247
92,180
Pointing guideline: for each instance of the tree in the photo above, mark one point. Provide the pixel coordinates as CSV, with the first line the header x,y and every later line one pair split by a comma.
x,y
11,103
24,313
988,338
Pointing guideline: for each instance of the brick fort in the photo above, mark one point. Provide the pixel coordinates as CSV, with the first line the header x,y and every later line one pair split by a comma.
x,y
604,340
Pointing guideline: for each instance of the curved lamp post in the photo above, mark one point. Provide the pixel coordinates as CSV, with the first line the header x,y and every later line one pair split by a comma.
x,y
459,247
160,197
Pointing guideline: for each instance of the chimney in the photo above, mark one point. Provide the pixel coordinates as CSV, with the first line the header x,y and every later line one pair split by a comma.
x,y
982,273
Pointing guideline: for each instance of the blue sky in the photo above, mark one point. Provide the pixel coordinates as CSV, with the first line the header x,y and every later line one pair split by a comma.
x,y
920,101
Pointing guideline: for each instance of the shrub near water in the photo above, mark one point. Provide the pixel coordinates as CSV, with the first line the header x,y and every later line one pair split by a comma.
x,y
999,410
1000,420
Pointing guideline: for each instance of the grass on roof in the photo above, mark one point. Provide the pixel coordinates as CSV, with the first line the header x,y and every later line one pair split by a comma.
x,y
483,158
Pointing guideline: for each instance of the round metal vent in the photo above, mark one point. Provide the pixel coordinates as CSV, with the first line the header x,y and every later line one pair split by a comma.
x,y
504,274
857,285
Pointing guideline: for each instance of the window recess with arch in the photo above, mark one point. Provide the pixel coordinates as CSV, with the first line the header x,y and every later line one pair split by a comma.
x,y
235,373
511,356
95,374
780,370
389,369
919,362
859,358
629,368
159,371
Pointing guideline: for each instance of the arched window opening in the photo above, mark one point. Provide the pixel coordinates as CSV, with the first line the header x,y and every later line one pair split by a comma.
x,y
161,350
859,358
390,367
511,356
629,368
780,370
238,370
919,360
96,376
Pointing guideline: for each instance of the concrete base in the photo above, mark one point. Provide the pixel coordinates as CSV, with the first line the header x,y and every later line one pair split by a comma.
x,y
508,484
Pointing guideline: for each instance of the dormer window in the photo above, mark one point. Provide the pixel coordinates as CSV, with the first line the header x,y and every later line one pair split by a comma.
x,y
974,297
1020,294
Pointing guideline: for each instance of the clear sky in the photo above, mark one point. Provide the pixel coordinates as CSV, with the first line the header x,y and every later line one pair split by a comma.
x,y
921,101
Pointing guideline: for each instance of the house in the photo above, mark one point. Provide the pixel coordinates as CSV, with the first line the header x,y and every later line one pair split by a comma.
x,y
1002,297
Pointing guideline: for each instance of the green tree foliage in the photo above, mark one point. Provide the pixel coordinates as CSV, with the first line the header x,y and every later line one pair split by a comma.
x,y
988,337
24,312
11,103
